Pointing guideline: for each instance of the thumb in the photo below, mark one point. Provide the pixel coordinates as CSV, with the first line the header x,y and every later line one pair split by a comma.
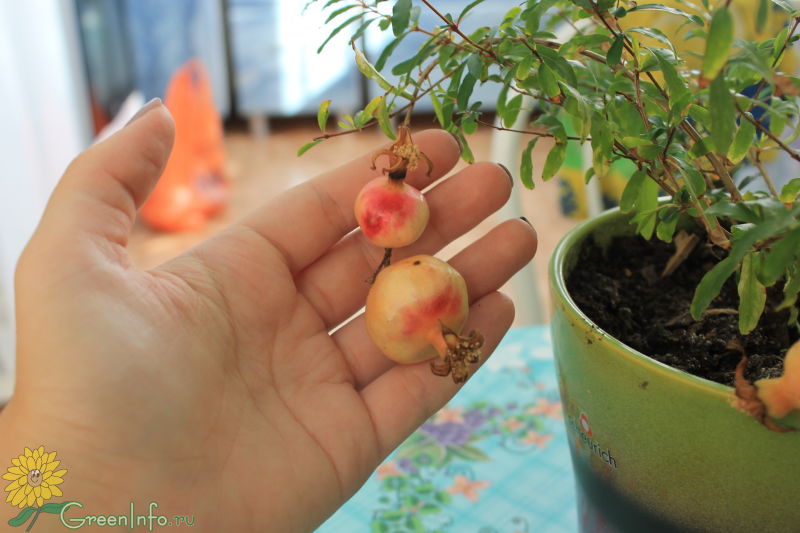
x,y
102,188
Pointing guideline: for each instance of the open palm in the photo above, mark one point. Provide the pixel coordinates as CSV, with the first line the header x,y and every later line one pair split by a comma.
x,y
213,384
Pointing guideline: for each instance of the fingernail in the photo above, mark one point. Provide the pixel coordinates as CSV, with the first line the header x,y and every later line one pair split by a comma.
x,y
458,141
508,172
155,102
528,222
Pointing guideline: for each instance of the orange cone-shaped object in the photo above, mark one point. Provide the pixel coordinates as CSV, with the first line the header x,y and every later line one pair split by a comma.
x,y
193,187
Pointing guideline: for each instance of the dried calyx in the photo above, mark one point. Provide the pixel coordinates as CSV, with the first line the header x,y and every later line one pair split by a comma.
x,y
460,352
403,155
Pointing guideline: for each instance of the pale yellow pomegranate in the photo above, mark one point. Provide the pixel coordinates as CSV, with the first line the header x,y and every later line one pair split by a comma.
x,y
415,309
391,213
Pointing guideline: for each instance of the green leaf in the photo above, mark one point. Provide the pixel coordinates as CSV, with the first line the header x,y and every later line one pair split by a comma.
x,y
368,70
335,13
786,6
718,43
548,80
465,91
752,295
723,113
615,52
22,517
384,122
475,66
700,115
655,34
387,52
468,8
526,164
779,43
631,191
777,259
790,191
556,157
401,14
339,28
666,229
308,146
675,85
712,281
744,139
658,7
694,181
761,16
322,114
511,111
646,204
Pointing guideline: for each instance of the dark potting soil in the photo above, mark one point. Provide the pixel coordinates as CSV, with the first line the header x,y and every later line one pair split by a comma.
x,y
621,290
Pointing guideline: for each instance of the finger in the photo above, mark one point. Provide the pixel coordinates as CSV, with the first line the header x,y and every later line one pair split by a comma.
x,y
305,221
102,188
334,285
400,400
486,266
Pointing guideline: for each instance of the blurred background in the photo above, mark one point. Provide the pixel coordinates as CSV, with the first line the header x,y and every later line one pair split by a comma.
x,y
243,80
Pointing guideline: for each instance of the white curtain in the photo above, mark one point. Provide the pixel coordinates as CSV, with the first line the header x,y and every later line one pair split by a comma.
x,y
44,123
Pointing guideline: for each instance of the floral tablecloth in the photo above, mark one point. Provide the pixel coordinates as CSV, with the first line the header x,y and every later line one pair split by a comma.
x,y
494,460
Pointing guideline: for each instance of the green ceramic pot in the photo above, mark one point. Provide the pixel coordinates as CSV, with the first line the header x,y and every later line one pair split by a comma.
x,y
655,449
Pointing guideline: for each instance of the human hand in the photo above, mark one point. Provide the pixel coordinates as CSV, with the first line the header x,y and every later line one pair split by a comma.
x,y
211,384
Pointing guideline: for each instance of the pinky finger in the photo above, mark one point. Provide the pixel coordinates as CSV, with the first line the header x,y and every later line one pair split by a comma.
x,y
401,399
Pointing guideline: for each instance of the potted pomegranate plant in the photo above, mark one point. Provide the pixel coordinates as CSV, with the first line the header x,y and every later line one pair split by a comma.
x,y
676,314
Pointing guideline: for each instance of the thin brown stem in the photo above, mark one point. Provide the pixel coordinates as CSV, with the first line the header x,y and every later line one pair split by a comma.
x,y
763,129
764,174
454,27
529,132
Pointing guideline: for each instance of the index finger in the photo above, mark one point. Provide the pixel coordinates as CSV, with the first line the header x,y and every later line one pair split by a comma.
x,y
305,221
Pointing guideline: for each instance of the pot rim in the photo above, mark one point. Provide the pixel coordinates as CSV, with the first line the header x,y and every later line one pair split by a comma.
x,y
558,287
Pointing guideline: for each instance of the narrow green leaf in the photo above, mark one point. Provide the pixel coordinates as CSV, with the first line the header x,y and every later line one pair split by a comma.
x,y
475,66
646,204
676,86
744,139
723,113
752,295
556,157
548,81
511,111
339,28
401,14
615,52
465,91
384,122
335,13
322,114
694,181
437,109
368,70
387,52
658,7
710,285
761,16
718,43
666,229
468,8
308,146
22,517
526,164
700,115
779,42
790,191
777,259
786,6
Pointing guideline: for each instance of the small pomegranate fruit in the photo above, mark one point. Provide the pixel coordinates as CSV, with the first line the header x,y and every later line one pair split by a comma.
x,y
415,309
391,213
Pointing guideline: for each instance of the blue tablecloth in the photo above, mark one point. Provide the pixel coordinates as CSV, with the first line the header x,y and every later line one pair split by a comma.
x,y
495,459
